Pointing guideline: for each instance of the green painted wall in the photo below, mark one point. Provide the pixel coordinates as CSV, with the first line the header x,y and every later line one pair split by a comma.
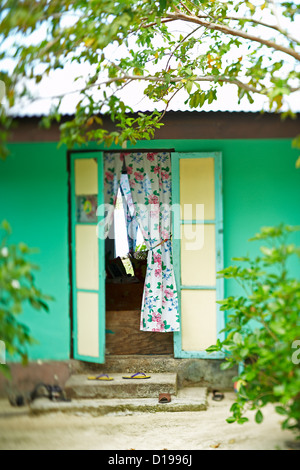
x,y
34,199
260,187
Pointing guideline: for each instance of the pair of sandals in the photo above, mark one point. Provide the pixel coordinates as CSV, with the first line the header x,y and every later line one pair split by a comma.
x,y
138,375
163,397
53,392
41,390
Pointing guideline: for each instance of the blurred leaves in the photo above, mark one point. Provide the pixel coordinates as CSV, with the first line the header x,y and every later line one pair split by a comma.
x,y
17,288
262,324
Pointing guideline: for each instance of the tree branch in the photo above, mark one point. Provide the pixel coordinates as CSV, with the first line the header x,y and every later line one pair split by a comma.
x,y
229,31
266,25
179,44
151,78
154,23
236,18
275,13
186,8
166,108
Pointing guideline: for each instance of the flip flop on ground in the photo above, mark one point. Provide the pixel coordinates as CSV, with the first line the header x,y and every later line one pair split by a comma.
x,y
100,377
138,375
164,398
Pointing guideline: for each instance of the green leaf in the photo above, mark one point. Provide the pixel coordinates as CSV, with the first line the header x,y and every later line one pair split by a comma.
x,y
279,390
162,4
242,420
212,348
189,86
6,226
237,338
231,420
226,365
280,410
244,352
250,375
259,417
267,251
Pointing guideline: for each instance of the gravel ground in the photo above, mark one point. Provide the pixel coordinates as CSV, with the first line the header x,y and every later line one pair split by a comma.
x,y
202,430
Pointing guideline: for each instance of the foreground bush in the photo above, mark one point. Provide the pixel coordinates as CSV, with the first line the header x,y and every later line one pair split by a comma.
x,y
17,288
263,330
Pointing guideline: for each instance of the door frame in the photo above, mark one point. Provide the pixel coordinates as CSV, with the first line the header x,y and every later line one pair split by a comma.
x,y
175,157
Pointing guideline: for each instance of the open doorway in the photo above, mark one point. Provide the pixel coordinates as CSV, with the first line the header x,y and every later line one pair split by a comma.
x,y
126,265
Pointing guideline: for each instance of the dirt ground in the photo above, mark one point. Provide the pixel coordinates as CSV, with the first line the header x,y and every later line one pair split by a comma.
x,y
203,430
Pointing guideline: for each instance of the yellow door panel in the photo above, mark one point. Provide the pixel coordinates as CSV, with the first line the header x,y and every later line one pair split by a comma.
x,y
88,324
86,176
198,255
87,257
199,325
197,186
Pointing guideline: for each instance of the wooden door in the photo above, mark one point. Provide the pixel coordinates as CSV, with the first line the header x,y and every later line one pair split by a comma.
x,y
87,253
198,250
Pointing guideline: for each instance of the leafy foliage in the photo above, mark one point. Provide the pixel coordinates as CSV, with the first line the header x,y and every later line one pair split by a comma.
x,y
262,328
248,44
17,287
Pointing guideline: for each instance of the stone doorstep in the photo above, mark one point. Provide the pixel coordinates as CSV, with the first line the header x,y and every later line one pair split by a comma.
x,y
190,372
188,399
125,364
78,386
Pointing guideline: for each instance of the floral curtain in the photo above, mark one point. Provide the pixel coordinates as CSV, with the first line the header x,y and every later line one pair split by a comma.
x,y
149,177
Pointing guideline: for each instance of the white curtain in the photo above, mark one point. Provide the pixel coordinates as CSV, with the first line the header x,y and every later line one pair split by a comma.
x,y
113,164
129,212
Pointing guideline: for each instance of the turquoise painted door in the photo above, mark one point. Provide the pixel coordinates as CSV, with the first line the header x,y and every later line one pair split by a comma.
x,y
198,251
88,257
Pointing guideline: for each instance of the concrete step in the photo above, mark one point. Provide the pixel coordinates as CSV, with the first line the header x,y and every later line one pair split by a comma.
x,y
78,386
188,399
190,372
128,363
